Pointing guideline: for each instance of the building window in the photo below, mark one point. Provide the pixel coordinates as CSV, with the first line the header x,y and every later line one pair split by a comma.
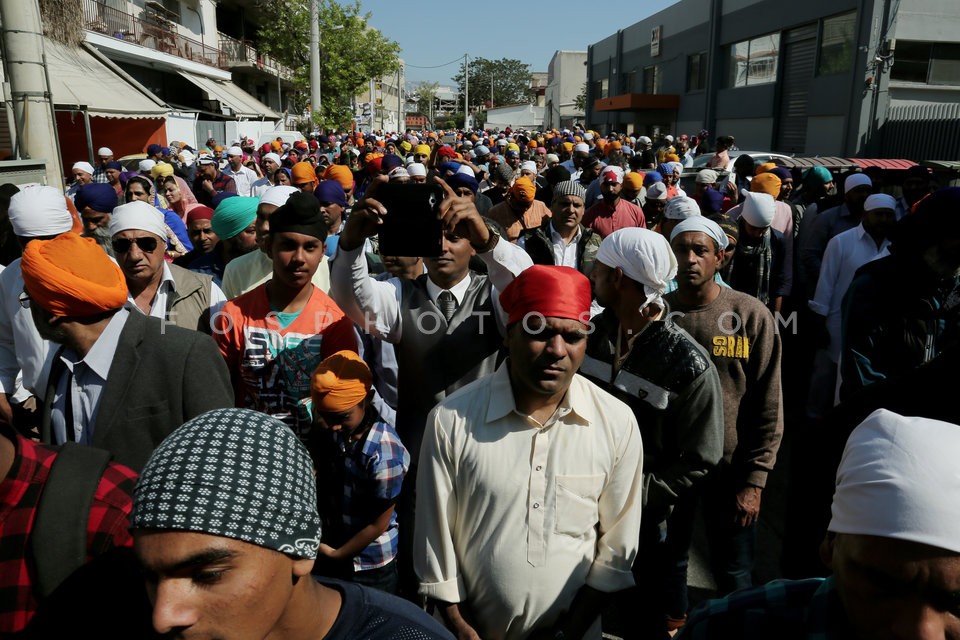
x,y
926,62
837,43
173,7
651,80
600,89
753,61
629,81
697,72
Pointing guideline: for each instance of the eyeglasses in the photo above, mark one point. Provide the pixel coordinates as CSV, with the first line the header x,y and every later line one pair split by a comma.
x,y
147,245
24,300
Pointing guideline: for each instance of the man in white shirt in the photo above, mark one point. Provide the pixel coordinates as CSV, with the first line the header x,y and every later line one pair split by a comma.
x,y
846,252
270,163
530,480
561,239
242,176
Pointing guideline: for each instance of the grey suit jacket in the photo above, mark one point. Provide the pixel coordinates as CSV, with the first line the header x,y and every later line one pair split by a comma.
x,y
160,377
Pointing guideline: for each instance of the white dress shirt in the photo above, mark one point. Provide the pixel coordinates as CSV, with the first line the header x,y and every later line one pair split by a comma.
x,y
22,350
244,177
846,252
513,516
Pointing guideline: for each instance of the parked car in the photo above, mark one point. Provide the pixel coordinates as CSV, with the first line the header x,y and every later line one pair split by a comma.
x,y
131,162
759,157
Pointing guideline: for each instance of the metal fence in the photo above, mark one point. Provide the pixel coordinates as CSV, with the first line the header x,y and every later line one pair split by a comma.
x,y
237,52
925,131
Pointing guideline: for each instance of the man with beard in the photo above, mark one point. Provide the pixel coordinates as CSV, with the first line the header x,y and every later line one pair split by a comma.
x,y
882,339
274,336
122,381
270,163
251,270
612,212
105,154
94,203
655,205
158,288
916,185
816,233
210,181
242,176
37,212
201,234
521,210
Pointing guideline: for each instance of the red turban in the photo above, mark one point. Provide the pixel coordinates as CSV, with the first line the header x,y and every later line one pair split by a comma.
x,y
554,292
446,151
72,276
198,212
375,165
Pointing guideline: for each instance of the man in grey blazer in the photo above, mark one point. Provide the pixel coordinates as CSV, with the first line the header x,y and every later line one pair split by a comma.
x,y
120,381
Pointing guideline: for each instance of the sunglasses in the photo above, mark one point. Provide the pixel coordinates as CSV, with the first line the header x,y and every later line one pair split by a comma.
x,y
147,245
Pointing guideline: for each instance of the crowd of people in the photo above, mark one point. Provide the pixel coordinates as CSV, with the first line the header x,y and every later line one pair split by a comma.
x,y
225,410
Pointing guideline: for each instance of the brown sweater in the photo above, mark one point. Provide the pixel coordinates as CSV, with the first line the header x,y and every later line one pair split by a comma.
x,y
748,361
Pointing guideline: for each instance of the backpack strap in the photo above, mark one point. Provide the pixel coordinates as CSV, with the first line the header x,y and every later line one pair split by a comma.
x,y
59,536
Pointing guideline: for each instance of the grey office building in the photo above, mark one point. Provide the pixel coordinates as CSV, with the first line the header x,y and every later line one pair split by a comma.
x,y
868,78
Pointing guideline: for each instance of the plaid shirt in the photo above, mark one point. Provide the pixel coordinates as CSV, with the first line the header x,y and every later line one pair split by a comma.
x,y
19,497
373,473
783,609
100,175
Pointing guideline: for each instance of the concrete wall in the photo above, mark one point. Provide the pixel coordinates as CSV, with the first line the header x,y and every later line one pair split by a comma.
x,y
934,20
515,116
565,77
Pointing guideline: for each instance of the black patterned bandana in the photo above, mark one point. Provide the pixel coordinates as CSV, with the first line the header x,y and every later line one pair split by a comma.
x,y
233,473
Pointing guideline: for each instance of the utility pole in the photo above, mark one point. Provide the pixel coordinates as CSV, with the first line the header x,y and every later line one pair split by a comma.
x,y
36,134
466,91
400,126
314,58
491,90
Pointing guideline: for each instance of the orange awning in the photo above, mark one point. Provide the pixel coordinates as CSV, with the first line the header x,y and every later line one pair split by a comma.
x,y
637,102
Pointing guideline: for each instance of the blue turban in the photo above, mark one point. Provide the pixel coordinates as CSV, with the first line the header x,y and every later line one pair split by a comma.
x,y
459,180
153,149
330,191
711,201
220,197
650,177
98,196
391,161
782,172
448,167
665,170
113,164
233,215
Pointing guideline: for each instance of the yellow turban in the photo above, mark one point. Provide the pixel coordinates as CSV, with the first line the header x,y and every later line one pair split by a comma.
x,y
421,149
513,146
634,180
161,170
72,276
406,146
671,157
766,183
568,146
340,382
524,190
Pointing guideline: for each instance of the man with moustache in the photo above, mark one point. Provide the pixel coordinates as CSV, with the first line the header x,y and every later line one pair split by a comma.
x,y
560,239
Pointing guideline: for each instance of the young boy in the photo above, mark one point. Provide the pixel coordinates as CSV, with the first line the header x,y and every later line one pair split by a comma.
x,y
356,450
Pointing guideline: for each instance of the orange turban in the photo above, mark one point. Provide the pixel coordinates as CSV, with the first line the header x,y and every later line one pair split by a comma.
x,y
568,146
554,292
671,157
72,276
532,144
766,183
524,190
616,145
763,168
634,180
341,173
303,172
340,382
77,227
276,146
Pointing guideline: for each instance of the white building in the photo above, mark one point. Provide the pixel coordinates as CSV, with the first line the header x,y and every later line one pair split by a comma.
x,y
566,76
515,116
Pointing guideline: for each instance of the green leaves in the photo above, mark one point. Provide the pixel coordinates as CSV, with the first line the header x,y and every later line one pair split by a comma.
x,y
349,55
510,79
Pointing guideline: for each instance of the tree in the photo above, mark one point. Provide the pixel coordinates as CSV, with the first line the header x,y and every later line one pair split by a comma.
x,y
580,102
351,53
425,95
510,78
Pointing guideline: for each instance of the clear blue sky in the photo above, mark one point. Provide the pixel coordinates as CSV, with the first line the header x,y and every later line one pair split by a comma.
x,y
431,32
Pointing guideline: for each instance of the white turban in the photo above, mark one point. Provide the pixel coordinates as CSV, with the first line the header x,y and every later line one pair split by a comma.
x,y
529,165
234,151
582,147
657,191
644,256
104,151
857,180
186,157
146,165
879,201
702,225
675,167
272,156
398,173
898,478
680,207
278,195
416,169
466,170
617,174
706,176
84,166
138,215
758,208
38,211
551,158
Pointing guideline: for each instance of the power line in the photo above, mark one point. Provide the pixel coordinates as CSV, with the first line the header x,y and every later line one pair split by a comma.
x,y
436,66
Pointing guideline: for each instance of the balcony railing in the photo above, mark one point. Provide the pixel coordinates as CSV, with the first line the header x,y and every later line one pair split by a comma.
x,y
153,30
238,53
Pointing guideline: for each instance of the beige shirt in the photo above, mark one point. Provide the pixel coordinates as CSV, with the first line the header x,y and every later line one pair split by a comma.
x,y
252,269
513,517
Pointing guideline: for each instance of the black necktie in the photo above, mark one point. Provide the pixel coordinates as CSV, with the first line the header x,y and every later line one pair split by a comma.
x,y
447,304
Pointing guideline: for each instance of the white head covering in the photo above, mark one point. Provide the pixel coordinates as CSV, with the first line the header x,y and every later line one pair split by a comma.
x,y
676,167
679,207
644,256
138,215
616,171
104,151
857,180
898,478
657,191
234,151
417,169
879,201
466,170
37,211
758,208
398,173
186,157
529,165
83,166
706,176
146,165
703,225
272,156
277,195
551,158
668,138
582,147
